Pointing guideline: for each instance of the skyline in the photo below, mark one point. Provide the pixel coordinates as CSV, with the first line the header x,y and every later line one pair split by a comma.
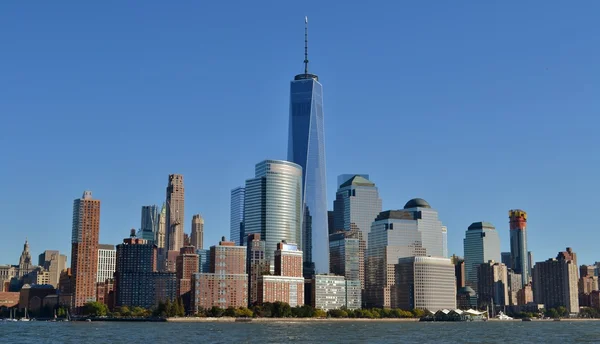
x,y
489,104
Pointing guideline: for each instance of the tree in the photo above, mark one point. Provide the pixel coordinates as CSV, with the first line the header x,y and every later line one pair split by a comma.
x,y
418,313
243,312
319,313
281,310
562,311
124,311
338,313
96,309
229,312
552,313
216,312
180,309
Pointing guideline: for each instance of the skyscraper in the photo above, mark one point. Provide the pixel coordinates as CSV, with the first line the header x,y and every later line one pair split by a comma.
x,y
187,265
197,232
492,284
346,258
256,265
356,206
107,260
54,263
425,283
175,217
150,222
481,245
555,283
273,204
161,233
287,284
306,147
84,249
506,259
445,241
518,243
236,219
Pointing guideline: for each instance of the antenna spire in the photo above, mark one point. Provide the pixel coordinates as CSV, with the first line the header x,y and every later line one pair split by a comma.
x,y
305,45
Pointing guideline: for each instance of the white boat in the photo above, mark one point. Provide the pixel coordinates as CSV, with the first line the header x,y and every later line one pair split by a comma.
x,y
502,316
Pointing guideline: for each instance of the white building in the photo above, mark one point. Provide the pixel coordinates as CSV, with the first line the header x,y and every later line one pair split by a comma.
x,y
425,283
107,260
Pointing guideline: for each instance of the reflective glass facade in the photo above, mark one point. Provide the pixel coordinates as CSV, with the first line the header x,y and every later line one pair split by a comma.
x,y
272,206
481,244
306,148
236,223
150,221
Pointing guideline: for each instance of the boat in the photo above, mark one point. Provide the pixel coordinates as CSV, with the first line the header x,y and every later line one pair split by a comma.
x,y
502,316
25,318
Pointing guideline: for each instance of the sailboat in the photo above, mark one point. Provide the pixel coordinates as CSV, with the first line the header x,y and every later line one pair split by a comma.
x,y
24,318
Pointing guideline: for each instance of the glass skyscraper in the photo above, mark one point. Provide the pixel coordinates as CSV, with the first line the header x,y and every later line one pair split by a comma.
x,y
481,245
149,225
306,147
236,224
272,206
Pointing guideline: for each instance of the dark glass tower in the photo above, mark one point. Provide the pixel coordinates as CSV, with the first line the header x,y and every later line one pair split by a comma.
x,y
306,148
518,243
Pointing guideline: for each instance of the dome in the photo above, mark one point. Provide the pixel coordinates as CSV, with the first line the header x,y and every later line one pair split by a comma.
x,y
466,290
417,203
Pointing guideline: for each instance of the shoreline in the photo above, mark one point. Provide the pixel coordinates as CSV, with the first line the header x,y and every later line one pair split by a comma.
x,y
285,320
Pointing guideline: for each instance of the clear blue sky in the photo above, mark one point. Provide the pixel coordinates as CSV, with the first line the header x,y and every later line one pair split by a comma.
x,y
477,107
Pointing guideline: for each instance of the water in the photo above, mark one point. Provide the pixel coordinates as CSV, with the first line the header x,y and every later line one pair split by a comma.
x,y
301,332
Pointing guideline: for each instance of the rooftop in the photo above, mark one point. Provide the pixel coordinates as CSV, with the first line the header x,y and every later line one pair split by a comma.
x,y
481,225
358,181
416,203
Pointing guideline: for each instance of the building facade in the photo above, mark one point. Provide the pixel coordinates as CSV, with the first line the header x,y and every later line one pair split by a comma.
x,y
107,260
518,243
174,218
53,262
257,265
287,284
425,283
203,260
149,223
555,284
492,284
306,147
328,292
197,238
84,249
481,245
347,255
236,219
273,204
506,259
187,266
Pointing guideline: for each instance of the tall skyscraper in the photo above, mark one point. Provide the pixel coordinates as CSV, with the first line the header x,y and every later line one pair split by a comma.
x,y
273,204
197,237
342,178
107,260
161,233
518,243
346,257
84,249
150,222
175,218
425,283
555,283
236,224
481,245
356,206
306,147
459,271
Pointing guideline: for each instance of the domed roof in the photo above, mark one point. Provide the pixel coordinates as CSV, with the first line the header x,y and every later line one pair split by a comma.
x,y
466,290
417,203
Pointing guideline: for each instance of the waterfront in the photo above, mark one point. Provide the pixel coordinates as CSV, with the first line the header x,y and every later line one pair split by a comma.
x,y
297,332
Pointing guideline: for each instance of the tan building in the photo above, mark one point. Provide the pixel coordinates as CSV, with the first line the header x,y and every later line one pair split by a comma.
x,y
54,263
227,283
175,217
65,287
555,282
187,266
197,237
287,285
84,249
525,295
492,284
161,238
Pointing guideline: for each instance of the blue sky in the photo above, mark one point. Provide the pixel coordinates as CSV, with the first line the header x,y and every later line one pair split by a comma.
x,y
477,107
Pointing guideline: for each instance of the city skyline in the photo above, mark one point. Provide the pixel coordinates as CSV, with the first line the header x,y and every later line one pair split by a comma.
x,y
122,196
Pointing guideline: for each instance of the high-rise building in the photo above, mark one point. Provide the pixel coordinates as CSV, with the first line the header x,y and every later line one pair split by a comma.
x,y
342,178
506,259
525,295
226,285
306,147
424,283
492,284
413,231
330,222
273,204
150,222
518,243
187,266
84,249
236,219
555,283
203,260
175,218
346,255
53,262
445,241
257,265
481,245
356,206
515,283
328,292
197,237
107,260
287,284
530,263
459,271
161,234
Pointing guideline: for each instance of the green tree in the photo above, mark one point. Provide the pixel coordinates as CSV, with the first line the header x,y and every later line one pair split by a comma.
x,y
243,312
281,310
96,309
216,312
552,313
562,311
229,312
337,313
124,311
319,313
418,313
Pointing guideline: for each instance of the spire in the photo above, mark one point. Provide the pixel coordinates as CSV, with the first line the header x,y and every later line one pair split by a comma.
x,y
305,45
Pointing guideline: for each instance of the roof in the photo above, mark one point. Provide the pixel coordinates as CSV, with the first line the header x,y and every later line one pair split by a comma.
x,y
481,225
358,181
417,203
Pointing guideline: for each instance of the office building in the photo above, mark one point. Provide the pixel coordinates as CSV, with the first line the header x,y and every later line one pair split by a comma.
x,y
515,283
107,260
287,284
330,222
356,206
506,259
328,292
530,263
445,241
525,295
226,285
273,204
54,263
236,219
150,222
174,218
466,298
84,249
161,234
342,178
424,283
492,284
555,283
187,265
203,260
346,255
306,147
413,231
459,271
481,245
257,265
197,238
518,243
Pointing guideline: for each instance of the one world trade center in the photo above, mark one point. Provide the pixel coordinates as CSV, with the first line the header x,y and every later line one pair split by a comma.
x,y
306,148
